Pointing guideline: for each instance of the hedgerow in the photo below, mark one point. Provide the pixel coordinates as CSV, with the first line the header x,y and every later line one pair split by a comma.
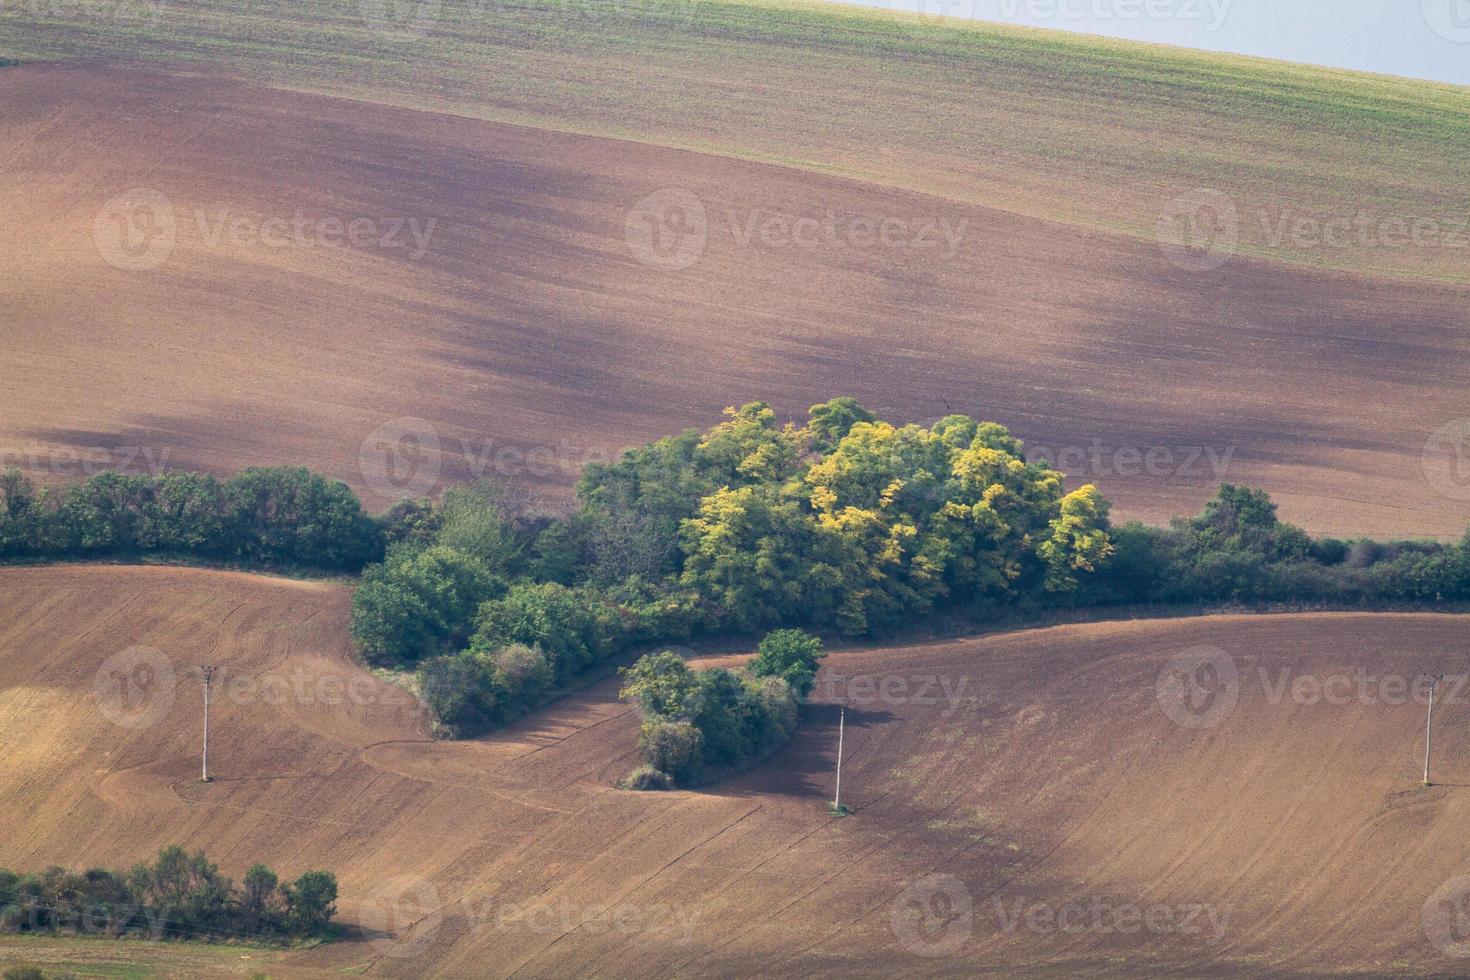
x,y
846,525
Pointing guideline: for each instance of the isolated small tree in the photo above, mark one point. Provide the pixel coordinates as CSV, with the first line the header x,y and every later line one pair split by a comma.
x,y
792,655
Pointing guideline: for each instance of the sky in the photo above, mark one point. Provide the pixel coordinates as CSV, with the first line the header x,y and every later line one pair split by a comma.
x,y
1414,38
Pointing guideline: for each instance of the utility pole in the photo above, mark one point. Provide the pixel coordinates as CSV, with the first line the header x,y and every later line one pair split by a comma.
x,y
208,672
841,726
1428,720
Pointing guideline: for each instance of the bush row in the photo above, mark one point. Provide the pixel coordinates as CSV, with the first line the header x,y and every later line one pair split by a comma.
x,y
273,517
1237,550
177,896
701,724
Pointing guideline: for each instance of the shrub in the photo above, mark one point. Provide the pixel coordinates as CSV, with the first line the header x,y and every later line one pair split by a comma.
x,y
522,672
462,692
180,893
699,724
418,604
672,747
311,902
792,655
647,778
573,627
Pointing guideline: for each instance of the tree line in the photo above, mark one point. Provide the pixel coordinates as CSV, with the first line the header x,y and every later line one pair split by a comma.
x,y
176,896
268,517
845,524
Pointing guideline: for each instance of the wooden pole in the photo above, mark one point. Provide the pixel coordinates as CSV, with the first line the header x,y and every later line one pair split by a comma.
x,y
204,765
841,725
1429,731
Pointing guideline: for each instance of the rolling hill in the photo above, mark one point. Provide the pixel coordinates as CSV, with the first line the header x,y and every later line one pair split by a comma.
x,y
504,300
1041,803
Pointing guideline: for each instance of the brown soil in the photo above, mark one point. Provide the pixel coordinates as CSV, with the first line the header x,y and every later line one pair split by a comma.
x,y
529,324
988,777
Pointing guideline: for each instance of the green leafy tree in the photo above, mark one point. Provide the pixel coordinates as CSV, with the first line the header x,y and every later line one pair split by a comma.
x,y
1078,540
260,898
745,554
721,712
462,691
792,655
573,627
671,747
187,889
410,522
292,516
419,603
662,684
830,421
311,901
476,520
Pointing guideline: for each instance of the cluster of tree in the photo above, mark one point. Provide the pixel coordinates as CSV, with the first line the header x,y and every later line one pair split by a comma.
x,y
179,896
700,724
846,524
275,517
1238,550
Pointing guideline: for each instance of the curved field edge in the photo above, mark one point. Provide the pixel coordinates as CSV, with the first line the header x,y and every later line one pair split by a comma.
x,y
1031,768
975,112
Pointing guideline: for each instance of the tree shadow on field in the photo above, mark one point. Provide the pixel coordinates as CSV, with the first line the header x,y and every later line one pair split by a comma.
x,y
806,767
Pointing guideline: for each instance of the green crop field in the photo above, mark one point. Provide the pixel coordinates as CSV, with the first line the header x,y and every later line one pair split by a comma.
x,y
1098,133
85,958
